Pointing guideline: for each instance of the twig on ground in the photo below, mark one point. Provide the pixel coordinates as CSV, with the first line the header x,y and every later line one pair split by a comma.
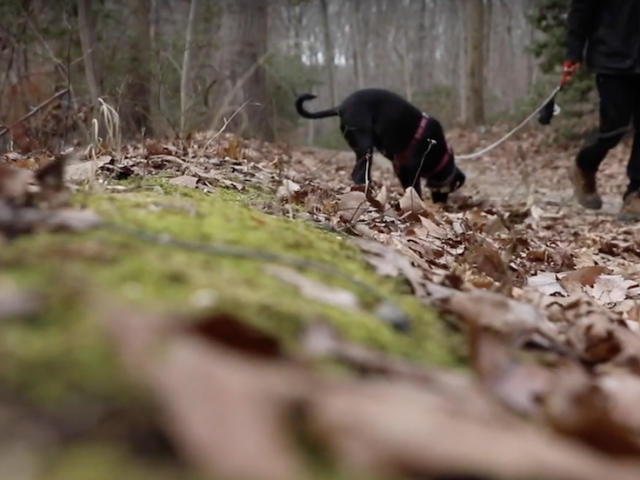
x,y
226,122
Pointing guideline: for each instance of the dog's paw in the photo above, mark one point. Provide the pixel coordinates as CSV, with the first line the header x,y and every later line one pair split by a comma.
x,y
439,197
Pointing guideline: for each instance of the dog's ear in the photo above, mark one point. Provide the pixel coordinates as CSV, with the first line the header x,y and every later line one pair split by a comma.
x,y
359,172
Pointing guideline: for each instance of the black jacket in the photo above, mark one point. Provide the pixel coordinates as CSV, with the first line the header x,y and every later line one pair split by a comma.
x,y
610,30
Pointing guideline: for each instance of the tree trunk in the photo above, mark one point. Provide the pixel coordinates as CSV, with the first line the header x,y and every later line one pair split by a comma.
x,y
244,36
136,98
329,52
474,71
186,66
87,32
357,41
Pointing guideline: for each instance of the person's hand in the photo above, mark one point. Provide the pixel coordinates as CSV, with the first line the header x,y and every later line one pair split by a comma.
x,y
569,69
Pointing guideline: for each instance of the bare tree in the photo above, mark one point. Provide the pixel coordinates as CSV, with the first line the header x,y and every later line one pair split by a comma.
x,y
329,51
474,71
186,65
87,31
244,35
358,41
136,94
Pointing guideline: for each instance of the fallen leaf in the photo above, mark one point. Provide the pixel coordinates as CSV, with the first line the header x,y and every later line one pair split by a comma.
x,y
576,406
287,189
585,276
431,228
185,181
352,206
519,386
411,203
220,407
499,313
387,429
315,290
14,182
383,196
547,283
389,262
610,288
81,172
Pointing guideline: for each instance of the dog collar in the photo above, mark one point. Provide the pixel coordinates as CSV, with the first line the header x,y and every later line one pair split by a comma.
x,y
443,161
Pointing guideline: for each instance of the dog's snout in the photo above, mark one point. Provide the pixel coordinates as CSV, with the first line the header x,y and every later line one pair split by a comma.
x,y
459,179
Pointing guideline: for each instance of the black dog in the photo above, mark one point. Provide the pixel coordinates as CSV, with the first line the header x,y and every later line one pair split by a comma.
x,y
414,142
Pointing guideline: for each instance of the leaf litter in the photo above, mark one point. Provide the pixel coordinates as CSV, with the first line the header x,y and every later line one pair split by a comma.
x,y
549,298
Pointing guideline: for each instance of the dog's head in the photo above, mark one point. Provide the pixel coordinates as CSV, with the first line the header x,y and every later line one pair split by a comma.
x,y
440,193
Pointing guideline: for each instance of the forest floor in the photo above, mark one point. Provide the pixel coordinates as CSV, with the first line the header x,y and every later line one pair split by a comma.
x,y
224,308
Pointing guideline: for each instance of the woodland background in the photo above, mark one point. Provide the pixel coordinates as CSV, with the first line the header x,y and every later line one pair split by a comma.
x,y
172,67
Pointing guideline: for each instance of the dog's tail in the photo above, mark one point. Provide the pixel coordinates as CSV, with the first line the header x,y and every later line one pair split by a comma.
x,y
331,112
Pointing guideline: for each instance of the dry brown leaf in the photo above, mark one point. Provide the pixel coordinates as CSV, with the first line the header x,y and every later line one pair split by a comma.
x,y
352,206
610,288
184,181
518,386
499,313
14,182
585,276
153,148
546,283
595,338
389,262
488,261
392,429
221,408
315,290
411,203
431,229
287,189
576,406
81,172
584,258
383,196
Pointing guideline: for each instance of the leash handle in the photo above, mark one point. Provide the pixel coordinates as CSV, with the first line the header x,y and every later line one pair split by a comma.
x,y
569,69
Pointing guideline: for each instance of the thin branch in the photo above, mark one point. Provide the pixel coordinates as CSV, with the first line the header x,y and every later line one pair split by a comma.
x,y
33,111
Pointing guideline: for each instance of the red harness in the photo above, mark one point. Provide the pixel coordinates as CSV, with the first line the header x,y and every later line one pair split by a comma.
x,y
401,158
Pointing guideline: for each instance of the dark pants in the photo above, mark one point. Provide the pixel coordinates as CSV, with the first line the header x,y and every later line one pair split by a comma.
x,y
619,107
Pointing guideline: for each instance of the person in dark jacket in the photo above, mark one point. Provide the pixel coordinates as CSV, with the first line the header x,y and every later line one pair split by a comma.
x,y
605,34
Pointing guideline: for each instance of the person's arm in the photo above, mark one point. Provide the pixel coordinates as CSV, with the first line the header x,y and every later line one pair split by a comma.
x,y
581,19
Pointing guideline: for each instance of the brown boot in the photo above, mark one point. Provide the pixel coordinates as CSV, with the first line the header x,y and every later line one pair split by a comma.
x,y
585,188
630,211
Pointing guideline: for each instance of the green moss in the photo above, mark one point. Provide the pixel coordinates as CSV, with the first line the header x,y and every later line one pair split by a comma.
x,y
60,359
105,462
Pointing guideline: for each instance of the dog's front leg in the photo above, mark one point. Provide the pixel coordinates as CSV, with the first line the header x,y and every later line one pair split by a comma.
x,y
407,178
361,173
